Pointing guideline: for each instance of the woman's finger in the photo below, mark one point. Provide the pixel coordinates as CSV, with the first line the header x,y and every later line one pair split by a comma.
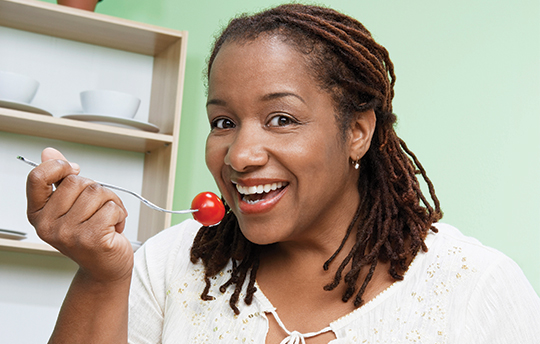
x,y
61,200
110,215
90,200
40,181
95,245
50,153
99,234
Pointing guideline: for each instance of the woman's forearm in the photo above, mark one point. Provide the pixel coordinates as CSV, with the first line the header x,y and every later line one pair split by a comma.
x,y
93,312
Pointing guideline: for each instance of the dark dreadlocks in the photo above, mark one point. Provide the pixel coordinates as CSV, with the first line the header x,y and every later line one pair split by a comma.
x,y
393,217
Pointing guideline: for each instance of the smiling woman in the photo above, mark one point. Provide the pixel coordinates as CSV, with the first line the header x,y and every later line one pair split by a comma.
x,y
280,129
296,125
327,236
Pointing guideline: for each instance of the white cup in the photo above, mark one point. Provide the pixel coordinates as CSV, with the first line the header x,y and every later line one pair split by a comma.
x,y
17,88
109,103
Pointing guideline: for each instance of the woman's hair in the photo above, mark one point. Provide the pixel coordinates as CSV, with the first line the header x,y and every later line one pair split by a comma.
x,y
393,217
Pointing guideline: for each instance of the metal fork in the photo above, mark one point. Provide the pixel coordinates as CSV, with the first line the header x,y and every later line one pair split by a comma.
x,y
118,188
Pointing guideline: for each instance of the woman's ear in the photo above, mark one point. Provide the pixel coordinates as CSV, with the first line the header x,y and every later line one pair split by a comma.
x,y
362,129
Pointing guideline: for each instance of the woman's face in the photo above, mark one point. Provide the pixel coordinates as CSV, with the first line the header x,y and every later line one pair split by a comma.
x,y
274,148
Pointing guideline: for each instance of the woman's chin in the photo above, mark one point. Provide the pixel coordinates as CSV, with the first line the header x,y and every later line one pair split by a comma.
x,y
260,235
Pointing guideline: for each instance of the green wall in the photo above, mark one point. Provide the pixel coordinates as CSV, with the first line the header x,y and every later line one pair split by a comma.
x,y
467,96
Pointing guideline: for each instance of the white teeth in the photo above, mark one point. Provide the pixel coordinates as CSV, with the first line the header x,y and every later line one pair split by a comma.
x,y
259,189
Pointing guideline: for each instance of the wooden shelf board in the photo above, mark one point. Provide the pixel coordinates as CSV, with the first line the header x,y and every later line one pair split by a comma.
x,y
96,134
28,247
87,27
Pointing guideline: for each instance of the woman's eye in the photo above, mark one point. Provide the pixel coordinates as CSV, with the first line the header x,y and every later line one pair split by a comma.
x,y
222,123
281,121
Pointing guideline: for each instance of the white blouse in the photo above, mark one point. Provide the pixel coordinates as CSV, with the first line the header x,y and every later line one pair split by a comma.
x,y
458,292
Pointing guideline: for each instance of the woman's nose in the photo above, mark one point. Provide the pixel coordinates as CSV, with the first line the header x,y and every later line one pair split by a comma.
x,y
246,151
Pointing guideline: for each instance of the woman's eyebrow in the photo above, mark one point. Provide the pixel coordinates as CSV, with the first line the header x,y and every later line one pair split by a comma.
x,y
216,102
267,97
277,95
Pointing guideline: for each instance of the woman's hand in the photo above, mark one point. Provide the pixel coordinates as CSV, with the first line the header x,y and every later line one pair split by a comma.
x,y
80,218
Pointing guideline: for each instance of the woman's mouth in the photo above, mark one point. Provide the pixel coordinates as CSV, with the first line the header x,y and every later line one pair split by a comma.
x,y
259,198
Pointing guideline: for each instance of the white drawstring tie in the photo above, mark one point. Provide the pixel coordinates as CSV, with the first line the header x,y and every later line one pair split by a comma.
x,y
296,337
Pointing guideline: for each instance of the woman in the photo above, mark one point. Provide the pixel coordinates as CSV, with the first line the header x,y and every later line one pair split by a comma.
x,y
328,236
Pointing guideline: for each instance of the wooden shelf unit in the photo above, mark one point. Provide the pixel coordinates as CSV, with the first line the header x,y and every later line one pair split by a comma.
x,y
29,247
168,49
20,122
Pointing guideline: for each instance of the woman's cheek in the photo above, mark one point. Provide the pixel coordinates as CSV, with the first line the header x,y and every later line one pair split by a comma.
x,y
211,158
214,158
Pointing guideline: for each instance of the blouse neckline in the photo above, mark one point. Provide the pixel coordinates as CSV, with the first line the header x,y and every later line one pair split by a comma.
x,y
341,322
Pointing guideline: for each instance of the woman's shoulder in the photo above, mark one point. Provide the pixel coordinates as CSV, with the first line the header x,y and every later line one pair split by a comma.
x,y
162,256
460,261
485,288
469,263
168,249
452,241
181,234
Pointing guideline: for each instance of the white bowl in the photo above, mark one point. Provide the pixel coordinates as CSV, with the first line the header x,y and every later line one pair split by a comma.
x,y
109,103
17,88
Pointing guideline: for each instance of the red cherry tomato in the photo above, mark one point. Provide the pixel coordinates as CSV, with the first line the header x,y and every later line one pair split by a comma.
x,y
210,208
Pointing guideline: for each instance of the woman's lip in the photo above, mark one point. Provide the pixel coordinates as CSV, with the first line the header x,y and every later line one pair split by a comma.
x,y
262,206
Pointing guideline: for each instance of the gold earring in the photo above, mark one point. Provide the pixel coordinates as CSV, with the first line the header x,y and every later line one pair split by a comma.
x,y
356,163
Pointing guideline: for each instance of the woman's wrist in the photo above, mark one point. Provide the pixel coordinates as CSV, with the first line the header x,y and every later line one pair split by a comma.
x,y
97,284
